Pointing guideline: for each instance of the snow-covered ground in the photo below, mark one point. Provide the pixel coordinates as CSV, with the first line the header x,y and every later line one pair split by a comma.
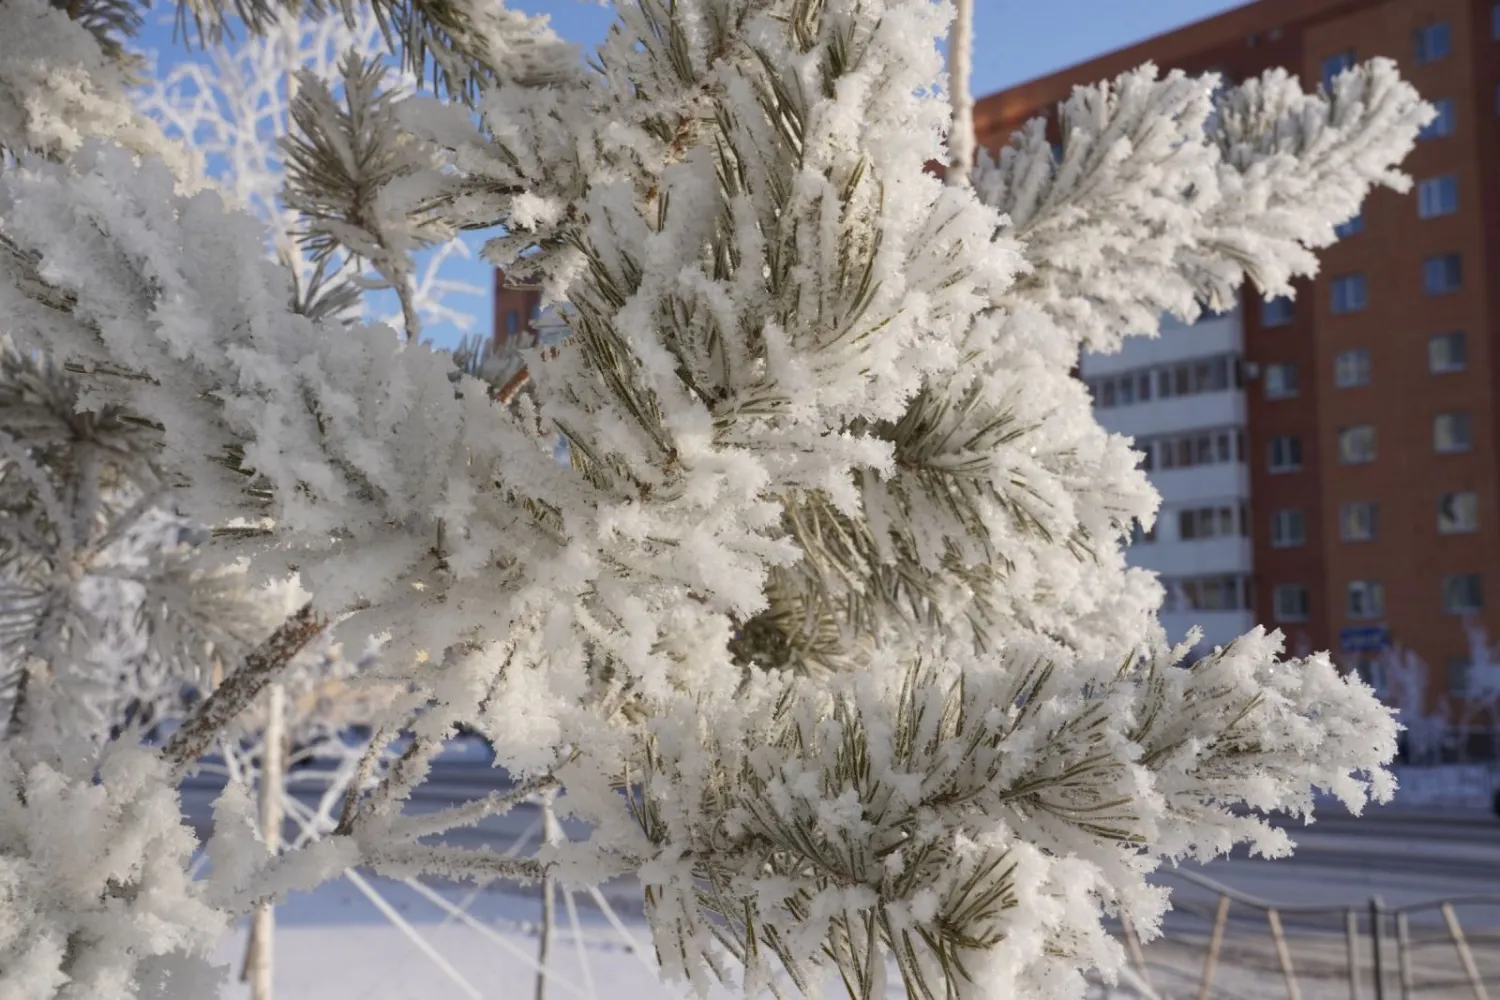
x,y
375,939
366,938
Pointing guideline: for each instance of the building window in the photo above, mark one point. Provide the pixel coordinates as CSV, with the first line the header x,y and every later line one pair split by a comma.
x,y
1458,513
1357,521
512,322
1288,529
1207,522
1281,381
1188,450
1431,42
1357,444
1285,453
1446,352
1442,124
1451,432
1437,196
1350,227
1463,593
1206,593
1211,375
1352,368
1276,312
1290,602
1140,535
1334,65
1366,600
1350,293
1443,274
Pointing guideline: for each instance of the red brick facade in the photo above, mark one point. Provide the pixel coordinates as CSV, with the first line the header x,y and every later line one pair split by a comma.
x,y
515,308
1409,557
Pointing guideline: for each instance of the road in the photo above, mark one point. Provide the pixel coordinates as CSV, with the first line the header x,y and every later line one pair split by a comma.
x,y
1339,860
1401,858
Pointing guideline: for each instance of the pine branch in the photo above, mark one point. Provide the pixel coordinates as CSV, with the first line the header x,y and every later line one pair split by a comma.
x,y
465,46
339,159
113,23
259,668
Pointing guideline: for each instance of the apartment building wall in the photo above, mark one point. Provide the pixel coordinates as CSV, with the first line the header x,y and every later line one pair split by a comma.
x,y
516,309
1409,558
1181,396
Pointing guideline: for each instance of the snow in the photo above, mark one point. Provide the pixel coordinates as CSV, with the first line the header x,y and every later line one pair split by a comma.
x,y
824,631
334,944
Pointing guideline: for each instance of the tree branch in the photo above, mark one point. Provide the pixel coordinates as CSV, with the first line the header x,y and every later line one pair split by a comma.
x,y
258,669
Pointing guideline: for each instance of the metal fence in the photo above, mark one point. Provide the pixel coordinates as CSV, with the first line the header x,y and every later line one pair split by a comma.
x,y
1369,951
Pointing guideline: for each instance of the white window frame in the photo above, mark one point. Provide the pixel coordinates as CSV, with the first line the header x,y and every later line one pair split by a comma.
x,y
1350,451
1280,380
1347,521
1279,595
1364,600
1423,39
1437,196
1447,365
1447,288
1459,435
1349,293
1462,607
1288,528
1464,520
1291,465
1352,368
1278,311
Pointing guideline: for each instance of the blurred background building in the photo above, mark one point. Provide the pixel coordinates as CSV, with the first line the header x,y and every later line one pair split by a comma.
x,y
1362,508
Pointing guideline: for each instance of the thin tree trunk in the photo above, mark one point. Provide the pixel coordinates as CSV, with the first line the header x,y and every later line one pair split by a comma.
x,y
960,64
551,833
259,963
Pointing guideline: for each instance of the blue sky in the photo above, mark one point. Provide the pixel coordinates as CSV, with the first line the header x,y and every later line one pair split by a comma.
x,y
1015,41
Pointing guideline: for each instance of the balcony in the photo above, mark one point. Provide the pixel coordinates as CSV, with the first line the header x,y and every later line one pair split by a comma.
x,y
1175,414
1219,627
1202,483
1177,342
1199,557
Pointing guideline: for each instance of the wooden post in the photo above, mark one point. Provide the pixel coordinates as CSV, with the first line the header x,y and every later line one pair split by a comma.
x,y
1403,954
1351,941
1283,955
1221,916
1133,946
1465,956
1378,974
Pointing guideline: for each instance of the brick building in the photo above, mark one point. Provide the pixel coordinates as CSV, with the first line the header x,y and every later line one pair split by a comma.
x,y
516,310
1370,471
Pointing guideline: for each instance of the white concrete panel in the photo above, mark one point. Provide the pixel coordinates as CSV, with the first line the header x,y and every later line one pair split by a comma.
x,y
1203,483
1201,557
1217,335
1175,415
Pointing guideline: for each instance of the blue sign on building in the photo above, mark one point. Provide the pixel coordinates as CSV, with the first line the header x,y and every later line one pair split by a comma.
x,y
1368,639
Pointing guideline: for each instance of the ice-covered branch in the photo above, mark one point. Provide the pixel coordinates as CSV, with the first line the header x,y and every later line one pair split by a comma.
x,y
1152,209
